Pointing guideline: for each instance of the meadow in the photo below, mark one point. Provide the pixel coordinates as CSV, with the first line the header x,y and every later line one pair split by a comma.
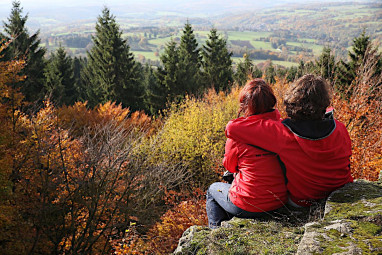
x,y
303,30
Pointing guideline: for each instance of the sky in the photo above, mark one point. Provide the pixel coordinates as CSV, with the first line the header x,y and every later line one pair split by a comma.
x,y
71,3
55,11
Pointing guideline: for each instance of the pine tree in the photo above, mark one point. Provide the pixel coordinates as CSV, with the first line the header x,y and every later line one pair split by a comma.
x,y
25,47
347,70
169,87
112,74
217,62
325,64
60,82
270,74
156,94
79,63
246,70
189,62
291,73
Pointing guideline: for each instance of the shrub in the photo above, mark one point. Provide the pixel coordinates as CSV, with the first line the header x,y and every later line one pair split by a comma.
x,y
193,134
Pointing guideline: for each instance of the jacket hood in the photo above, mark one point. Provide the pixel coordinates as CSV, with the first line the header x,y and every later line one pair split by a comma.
x,y
317,138
312,130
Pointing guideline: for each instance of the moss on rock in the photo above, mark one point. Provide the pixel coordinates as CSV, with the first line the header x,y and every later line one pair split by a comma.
x,y
351,224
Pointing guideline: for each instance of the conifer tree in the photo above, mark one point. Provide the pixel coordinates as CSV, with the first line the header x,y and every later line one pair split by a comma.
x,y
246,70
347,70
189,62
270,74
156,95
291,73
24,46
325,64
60,82
169,87
79,63
112,74
217,63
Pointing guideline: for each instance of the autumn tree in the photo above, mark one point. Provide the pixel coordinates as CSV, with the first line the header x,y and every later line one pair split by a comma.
x,y
112,74
24,46
60,81
217,63
11,144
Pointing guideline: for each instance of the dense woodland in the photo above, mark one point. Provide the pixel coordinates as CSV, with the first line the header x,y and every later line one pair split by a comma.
x,y
102,154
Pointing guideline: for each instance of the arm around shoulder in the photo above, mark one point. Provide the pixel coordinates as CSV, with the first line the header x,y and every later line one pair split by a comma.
x,y
267,134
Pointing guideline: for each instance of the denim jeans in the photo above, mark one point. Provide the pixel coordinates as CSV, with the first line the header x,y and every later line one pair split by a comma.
x,y
220,208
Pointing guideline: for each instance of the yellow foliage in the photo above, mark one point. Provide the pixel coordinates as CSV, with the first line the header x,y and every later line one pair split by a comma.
x,y
193,134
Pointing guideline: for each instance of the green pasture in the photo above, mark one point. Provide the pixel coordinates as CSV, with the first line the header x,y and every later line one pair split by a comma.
x,y
262,45
146,54
317,49
237,60
246,35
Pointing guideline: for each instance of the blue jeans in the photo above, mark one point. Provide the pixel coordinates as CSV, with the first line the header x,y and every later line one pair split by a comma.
x,y
220,208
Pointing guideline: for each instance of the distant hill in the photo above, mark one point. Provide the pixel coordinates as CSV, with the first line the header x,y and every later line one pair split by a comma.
x,y
45,13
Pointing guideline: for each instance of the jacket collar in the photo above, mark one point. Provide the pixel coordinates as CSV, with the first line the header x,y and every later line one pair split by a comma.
x,y
312,129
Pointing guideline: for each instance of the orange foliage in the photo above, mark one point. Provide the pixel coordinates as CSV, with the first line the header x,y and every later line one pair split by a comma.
x,y
163,237
362,115
78,116
11,135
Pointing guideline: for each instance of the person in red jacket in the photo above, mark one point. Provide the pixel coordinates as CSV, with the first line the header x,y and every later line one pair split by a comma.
x,y
259,184
314,147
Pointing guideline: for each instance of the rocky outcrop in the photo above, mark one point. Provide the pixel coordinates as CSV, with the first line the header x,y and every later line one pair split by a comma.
x,y
352,222
349,222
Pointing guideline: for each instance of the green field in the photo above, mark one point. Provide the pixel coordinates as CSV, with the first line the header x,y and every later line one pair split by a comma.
x,y
312,27
235,35
237,60
146,54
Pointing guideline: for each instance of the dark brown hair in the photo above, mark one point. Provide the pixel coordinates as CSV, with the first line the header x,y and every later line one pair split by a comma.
x,y
307,98
256,97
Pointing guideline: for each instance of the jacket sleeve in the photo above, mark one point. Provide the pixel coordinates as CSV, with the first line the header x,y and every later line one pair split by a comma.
x,y
231,156
268,135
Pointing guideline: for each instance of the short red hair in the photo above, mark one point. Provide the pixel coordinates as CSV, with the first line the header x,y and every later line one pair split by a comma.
x,y
256,97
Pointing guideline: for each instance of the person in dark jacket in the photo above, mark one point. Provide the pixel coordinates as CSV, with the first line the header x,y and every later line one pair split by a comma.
x,y
314,146
259,184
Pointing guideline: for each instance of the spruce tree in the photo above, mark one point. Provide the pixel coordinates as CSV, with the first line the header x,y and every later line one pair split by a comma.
x,y
217,63
189,62
79,63
24,46
169,87
60,82
246,70
112,74
291,73
347,70
325,64
270,74
156,95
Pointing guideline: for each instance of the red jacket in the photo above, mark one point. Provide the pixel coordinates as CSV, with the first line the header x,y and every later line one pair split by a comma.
x,y
316,153
259,184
